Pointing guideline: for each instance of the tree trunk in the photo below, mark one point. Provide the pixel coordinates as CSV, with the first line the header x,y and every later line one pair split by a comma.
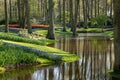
x,y
85,14
59,3
50,34
64,26
27,15
71,14
76,17
116,4
6,16
10,4
19,14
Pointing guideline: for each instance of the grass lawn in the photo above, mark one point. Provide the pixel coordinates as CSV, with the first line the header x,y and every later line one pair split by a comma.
x,y
17,38
57,32
65,55
11,56
90,30
109,33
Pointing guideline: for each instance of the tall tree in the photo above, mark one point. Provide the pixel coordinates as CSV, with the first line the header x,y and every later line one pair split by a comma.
x,y
85,13
71,14
64,26
51,32
6,16
19,12
59,4
27,15
75,17
10,9
116,4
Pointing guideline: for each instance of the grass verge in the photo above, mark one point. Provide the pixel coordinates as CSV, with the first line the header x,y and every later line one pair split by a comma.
x,y
90,30
12,56
65,56
57,32
109,33
17,38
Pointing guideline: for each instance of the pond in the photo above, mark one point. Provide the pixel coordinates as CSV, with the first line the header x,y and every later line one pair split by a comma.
x,y
96,58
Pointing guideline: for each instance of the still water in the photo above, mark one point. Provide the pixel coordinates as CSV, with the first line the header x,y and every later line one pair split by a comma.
x,y
96,58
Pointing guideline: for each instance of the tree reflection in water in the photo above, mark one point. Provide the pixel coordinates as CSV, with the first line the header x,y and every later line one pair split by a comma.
x,y
96,59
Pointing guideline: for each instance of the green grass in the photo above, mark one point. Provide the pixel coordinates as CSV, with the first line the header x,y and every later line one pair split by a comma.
x,y
89,30
109,33
17,38
41,32
66,56
61,33
10,55
2,69
57,32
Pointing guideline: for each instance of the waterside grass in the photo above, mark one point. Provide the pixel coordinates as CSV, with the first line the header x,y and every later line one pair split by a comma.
x,y
90,30
109,33
58,32
17,38
10,55
65,56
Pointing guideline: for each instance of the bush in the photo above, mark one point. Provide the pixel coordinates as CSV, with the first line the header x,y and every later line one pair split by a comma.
x,y
10,22
13,22
2,22
100,20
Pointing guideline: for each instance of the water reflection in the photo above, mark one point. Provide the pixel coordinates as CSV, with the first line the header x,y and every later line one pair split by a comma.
x,y
96,58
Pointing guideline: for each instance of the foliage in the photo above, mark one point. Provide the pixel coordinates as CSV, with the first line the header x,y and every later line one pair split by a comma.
x,y
2,21
100,20
14,21
67,14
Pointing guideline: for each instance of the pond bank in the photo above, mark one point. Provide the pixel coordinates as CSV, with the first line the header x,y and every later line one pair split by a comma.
x,y
51,55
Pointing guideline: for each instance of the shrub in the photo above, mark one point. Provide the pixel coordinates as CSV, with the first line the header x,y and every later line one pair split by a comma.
x,y
100,20
2,22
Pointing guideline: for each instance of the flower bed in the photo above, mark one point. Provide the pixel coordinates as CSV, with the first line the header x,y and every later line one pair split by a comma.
x,y
34,25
